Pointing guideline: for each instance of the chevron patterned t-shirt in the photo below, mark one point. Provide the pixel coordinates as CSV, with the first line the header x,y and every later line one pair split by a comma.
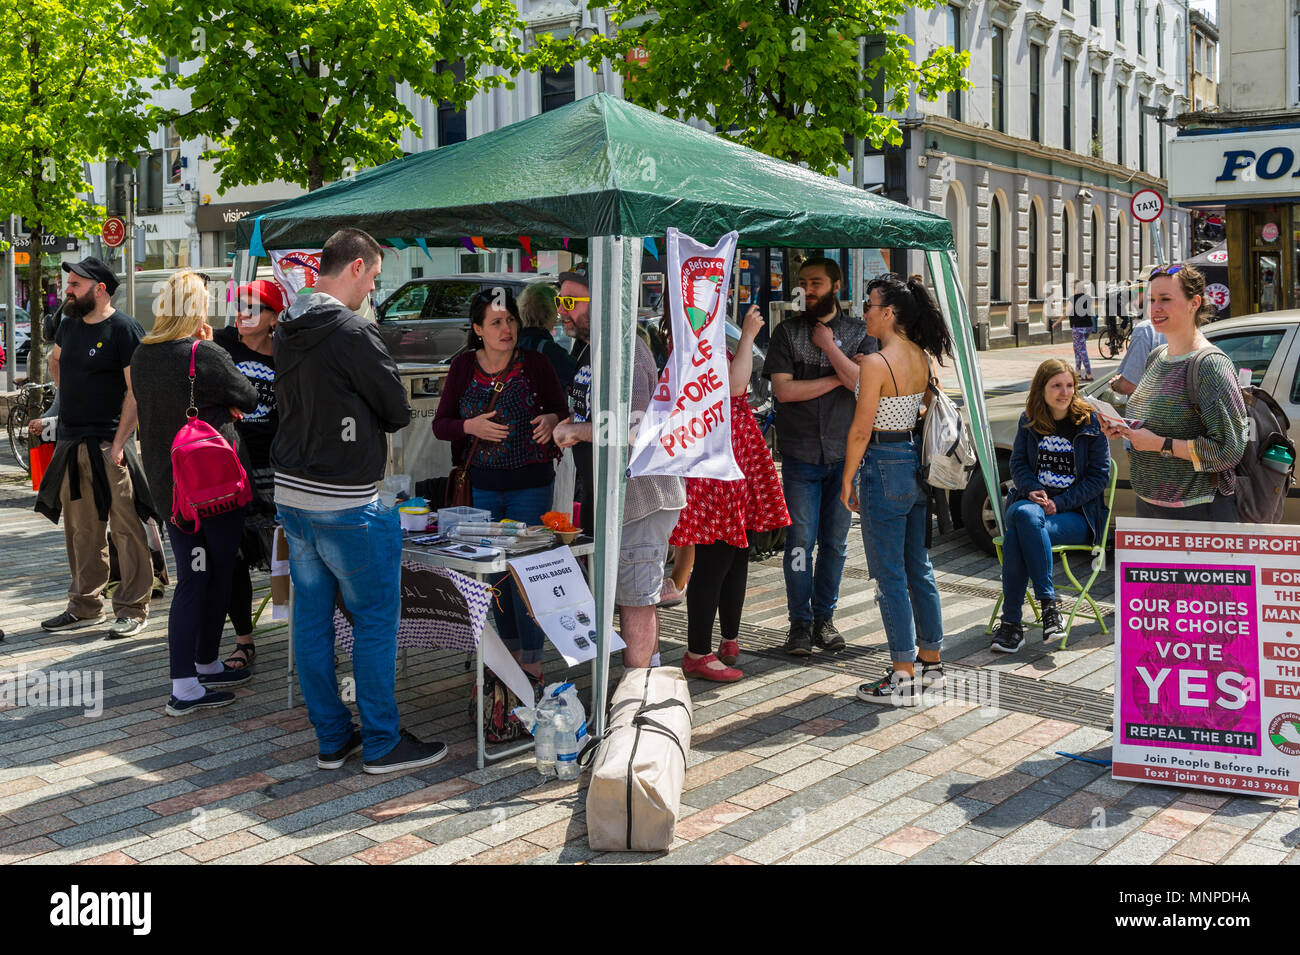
x,y
1056,470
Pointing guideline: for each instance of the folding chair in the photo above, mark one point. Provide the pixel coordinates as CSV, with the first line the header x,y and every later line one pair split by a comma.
x,y
1084,591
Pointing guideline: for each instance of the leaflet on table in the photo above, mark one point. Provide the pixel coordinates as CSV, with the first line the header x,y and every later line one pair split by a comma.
x,y
560,601
1207,660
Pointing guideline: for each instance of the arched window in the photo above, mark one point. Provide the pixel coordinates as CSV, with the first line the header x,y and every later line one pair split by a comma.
x,y
954,208
1069,267
995,251
1099,264
1035,257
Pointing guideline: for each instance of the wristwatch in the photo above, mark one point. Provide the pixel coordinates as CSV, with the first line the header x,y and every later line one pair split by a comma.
x,y
1167,449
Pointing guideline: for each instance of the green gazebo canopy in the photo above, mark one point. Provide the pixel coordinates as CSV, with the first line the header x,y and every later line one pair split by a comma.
x,y
599,166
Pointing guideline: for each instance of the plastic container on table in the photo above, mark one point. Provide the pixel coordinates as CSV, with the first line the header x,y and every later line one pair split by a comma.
x,y
449,518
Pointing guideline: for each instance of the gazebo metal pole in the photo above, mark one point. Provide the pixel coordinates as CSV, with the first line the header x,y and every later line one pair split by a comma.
x,y
943,269
615,283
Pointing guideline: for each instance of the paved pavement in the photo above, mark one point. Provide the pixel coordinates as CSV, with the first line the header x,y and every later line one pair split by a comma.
x,y
785,766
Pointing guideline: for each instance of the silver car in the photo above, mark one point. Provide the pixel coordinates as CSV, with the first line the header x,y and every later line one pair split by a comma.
x,y
1267,344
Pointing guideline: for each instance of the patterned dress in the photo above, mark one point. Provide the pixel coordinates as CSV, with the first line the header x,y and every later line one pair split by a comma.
x,y
725,510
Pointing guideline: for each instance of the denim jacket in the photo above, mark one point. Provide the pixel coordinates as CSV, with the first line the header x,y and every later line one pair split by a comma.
x,y
1091,468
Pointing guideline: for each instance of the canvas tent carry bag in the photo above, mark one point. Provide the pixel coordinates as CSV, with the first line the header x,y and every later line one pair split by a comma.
x,y
640,763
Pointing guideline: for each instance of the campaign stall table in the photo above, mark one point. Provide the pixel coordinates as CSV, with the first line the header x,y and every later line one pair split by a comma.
x,y
424,637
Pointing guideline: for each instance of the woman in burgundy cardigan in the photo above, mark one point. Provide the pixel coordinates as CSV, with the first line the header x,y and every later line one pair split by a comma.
x,y
513,469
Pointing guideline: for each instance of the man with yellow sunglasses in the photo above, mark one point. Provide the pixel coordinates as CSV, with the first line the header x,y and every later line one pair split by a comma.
x,y
652,503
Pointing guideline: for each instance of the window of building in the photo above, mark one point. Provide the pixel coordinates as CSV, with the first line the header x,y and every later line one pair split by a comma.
x,y
1067,104
954,41
451,121
557,88
1094,13
1095,145
1211,61
1035,92
996,111
1141,28
1035,286
1121,94
995,251
1119,21
1143,119
1067,6
172,156
1160,38
1198,63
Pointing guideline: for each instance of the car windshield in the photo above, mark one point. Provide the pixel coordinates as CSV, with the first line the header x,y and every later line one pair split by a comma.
x,y
433,300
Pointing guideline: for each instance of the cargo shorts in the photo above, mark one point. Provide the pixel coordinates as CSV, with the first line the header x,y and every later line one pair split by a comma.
x,y
641,555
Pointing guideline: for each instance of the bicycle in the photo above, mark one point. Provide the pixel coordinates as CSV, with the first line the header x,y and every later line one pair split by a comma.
x,y
33,401
1113,338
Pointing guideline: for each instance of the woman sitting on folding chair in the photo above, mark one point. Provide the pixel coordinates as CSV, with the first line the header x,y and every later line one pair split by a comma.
x,y
1060,465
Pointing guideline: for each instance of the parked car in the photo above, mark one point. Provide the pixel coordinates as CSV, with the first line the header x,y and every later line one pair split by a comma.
x,y
149,285
22,332
1268,344
426,320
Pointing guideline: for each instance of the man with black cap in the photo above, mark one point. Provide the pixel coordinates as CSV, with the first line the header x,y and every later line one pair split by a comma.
x,y
94,478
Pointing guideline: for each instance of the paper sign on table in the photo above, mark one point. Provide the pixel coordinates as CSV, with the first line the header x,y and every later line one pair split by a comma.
x,y
560,601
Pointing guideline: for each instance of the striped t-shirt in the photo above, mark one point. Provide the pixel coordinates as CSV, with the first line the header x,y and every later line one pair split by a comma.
x,y
1218,435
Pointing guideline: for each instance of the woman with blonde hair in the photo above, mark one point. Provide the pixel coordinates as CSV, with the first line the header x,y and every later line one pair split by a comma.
x,y
204,555
1060,465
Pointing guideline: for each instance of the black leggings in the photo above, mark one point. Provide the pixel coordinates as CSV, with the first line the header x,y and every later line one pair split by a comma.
x,y
241,598
717,589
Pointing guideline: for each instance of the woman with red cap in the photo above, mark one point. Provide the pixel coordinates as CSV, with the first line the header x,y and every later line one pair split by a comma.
x,y
257,309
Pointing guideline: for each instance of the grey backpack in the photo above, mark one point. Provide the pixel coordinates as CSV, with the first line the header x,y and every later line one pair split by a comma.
x,y
1261,490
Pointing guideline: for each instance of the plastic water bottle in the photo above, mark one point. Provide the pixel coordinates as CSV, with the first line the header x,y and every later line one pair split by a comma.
x,y
1278,458
544,745
566,743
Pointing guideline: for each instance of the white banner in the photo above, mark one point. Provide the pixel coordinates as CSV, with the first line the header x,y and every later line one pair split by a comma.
x,y
686,430
295,270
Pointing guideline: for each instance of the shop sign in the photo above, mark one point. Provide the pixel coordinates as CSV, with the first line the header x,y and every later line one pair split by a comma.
x,y
1235,165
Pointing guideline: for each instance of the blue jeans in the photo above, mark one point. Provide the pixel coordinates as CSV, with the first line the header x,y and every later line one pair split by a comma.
x,y
509,612
817,518
893,503
355,552
1027,552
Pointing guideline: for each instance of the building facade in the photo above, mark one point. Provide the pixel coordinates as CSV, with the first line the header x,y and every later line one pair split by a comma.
x,y
1242,155
1036,164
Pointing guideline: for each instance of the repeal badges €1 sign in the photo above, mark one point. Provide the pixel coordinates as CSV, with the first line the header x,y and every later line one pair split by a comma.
x,y
1207,656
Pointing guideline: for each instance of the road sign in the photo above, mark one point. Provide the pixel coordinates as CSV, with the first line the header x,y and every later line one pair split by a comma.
x,y
22,258
114,232
1147,205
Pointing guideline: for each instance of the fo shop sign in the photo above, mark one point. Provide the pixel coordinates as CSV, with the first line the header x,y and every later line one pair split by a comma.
x,y
1238,165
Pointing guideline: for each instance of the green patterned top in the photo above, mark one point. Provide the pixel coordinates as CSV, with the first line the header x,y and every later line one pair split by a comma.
x,y
1218,435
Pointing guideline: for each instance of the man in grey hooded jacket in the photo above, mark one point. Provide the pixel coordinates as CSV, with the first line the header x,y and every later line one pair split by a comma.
x,y
338,393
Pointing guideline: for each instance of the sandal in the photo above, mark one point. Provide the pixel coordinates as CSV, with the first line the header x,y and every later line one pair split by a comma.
x,y
700,667
242,657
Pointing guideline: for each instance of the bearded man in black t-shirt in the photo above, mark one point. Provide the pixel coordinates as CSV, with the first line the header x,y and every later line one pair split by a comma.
x,y
94,477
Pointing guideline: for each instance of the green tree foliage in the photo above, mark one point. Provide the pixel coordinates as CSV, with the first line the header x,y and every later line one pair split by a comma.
x,y
71,94
307,92
779,76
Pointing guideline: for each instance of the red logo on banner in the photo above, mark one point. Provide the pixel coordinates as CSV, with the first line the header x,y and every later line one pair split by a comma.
x,y
701,280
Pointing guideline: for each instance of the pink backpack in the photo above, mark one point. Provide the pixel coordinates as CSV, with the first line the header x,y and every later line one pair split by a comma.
x,y
207,476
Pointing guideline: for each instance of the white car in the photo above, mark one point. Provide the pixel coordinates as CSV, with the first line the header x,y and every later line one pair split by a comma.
x,y
1267,344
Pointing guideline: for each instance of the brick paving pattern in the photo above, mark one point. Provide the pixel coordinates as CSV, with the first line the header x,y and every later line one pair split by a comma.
x,y
785,766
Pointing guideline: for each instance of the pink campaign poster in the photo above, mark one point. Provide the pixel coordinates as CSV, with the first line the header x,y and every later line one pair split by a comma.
x,y
1189,657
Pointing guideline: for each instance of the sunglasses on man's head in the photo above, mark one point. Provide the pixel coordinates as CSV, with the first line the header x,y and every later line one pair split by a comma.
x,y
1166,270
567,302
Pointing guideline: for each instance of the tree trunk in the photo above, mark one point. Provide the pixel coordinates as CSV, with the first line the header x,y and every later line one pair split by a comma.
x,y
315,174
36,370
